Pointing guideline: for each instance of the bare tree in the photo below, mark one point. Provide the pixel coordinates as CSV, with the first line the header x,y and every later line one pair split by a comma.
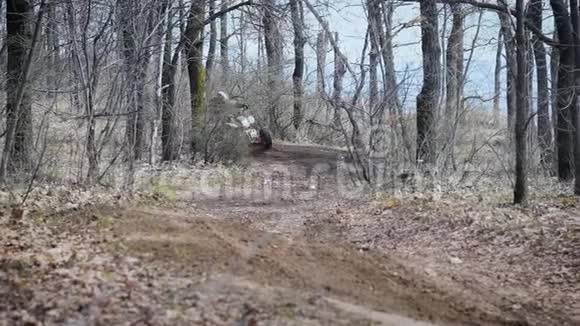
x,y
379,50
428,98
454,71
497,80
565,90
137,25
224,37
168,71
575,18
274,51
18,143
522,112
511,66
89,48
321,52
52,48
338,81
193,37
213,35
543,100
554,64
390,85
298,75
372,13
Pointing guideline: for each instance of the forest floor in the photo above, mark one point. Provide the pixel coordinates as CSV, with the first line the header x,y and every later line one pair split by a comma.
x,y
285,243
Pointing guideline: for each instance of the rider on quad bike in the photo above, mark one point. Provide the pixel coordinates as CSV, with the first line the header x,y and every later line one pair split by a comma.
x,y
256,135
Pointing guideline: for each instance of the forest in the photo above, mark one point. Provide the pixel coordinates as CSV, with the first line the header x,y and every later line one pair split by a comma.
x,y
289,162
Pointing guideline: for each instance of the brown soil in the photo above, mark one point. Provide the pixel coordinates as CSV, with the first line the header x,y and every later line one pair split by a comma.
x,y
301,256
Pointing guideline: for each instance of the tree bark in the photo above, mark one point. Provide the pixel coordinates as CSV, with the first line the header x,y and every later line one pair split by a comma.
x,y
321,52
521,184
428,98
497,80
554,64
381,48
565,91
391,87
224,48
52,48
243,43
511,68
20,44
454,56
298,75
543,100
376,109
168,133
135,30
274,51
575,18
19,115
213,35
194,49
454,87
339,72
373,57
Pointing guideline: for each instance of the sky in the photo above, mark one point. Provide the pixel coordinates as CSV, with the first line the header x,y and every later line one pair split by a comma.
x,y
349,20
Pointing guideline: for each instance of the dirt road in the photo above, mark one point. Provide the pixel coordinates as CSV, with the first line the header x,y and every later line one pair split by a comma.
x,y
282,244
287,238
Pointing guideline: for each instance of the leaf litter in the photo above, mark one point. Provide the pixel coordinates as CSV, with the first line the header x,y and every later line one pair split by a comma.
x,y
101,257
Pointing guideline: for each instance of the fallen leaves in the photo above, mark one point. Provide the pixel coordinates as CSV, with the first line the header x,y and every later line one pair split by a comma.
x,y
460,235
390,204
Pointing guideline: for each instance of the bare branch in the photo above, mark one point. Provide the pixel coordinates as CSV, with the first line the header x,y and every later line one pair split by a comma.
x,y
503,9
227,10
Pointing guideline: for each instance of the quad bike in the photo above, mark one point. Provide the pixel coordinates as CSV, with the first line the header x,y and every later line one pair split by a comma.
x,y
243,120
257,136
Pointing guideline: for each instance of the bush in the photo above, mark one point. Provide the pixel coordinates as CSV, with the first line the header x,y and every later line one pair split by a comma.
x,y
225,144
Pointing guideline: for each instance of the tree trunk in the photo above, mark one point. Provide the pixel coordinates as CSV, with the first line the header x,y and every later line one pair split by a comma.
x,y
373,58
454,75
194,50
574,16
224,49
298,75
20,42
565,91
376,109
86,75
321,51
19,36
511,68
454,55
531,130
52,48
554,64
386,40
391,86
497,80
339,72
428,98
213,35
521,185
273,44
543,100
168,132
243,44
135,31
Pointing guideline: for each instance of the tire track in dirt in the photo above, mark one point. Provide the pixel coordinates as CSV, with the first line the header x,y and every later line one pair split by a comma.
x,y
266,241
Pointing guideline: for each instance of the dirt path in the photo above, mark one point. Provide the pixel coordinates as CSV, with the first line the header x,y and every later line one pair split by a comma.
x,y
286,235
282,244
